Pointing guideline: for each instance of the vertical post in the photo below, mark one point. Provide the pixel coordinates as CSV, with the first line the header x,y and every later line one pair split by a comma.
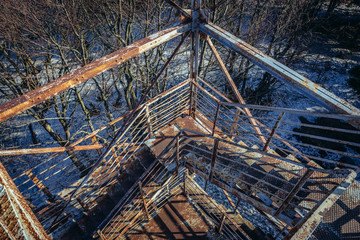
x,y
234,124
184,182
194,58
213,159
143,200
295,189
236,206
191,98
177,155
266,146
216,117
222,223
82,204
148,120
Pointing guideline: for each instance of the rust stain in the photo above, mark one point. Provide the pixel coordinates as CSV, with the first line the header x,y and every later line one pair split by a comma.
x,y
63,83
30,225
281,71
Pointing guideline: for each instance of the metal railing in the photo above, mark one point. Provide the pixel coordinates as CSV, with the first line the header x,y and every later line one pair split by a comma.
x,y
163,180
17,221
49,184
284,188
311,137
276,176
151,192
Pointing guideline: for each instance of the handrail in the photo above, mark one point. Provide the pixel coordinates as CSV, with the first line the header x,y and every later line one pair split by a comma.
x,y
261,152
121,201
124,128
295,111
289,144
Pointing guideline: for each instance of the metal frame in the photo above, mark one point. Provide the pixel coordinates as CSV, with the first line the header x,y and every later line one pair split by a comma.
x,y
280,71
198,22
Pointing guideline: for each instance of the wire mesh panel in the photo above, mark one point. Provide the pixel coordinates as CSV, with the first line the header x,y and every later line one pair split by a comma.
x,y
342,220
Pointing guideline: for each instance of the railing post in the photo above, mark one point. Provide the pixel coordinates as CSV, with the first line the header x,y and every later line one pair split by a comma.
x,y
296,188
177,155
236,206
184,182
143,200
221,223
148,120
40,185
213,159
266,146
82,204
216,117
192,107
234,124
191,97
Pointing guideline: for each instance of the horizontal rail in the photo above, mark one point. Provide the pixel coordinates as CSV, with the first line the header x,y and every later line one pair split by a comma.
x,y
49,150
294,111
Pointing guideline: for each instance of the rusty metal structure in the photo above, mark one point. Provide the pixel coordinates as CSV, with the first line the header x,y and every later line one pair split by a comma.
x,y
191,131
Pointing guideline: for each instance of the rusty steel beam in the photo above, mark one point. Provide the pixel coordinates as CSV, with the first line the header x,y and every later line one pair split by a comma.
x,y
43,93
280,71
234,88
129,121
48,150
30,225
307,225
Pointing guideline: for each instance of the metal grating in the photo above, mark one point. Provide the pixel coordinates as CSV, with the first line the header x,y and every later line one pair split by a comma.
x,y
342,221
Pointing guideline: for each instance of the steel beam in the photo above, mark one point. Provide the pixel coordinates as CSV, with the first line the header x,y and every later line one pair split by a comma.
x,y
280,71
30,225
177,7
43,93
235,90
48,150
